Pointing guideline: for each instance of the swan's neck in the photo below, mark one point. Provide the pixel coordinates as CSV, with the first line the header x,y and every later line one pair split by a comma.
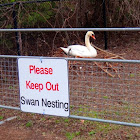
x,y
90,48
87,42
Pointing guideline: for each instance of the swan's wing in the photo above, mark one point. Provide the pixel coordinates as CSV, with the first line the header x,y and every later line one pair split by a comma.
x,y
78,50
77,47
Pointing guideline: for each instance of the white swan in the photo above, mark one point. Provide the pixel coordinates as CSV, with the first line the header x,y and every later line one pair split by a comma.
x,y
80,50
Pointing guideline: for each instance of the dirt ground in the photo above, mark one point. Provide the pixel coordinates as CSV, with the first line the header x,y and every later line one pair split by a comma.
x,y
34,126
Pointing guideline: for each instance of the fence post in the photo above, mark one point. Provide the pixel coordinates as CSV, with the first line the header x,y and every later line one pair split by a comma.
x,y
104,17
15,27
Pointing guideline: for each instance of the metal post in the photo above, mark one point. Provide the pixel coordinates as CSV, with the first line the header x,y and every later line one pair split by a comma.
x,y
15,27
104,17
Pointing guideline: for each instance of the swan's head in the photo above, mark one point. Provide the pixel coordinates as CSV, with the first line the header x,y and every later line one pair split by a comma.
x,y
91,34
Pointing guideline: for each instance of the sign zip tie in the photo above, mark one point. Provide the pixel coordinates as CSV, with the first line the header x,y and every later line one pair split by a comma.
x,y
40,59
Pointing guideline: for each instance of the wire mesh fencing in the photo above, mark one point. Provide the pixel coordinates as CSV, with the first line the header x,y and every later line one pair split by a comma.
x,y
105,89
9,87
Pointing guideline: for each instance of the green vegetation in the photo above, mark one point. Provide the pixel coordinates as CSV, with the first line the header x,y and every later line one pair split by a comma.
x,y
71,135
119,13
105,97
132,75
67,128
122,13
43,119
1,117
29,124
92,132
92,90
36,15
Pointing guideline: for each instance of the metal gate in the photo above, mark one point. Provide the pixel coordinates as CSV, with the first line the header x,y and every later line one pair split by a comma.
x,y
100,89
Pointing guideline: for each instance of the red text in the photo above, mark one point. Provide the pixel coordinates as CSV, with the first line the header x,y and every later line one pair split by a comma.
x,y
36,70
50,86
37,86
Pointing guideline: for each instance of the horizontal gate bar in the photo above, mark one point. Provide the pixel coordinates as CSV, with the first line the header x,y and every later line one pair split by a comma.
x,y
69,29
74,59
8,107
104,121
86,118
104,60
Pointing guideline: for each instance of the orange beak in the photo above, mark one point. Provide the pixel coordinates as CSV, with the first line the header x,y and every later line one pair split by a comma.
x,y
93,37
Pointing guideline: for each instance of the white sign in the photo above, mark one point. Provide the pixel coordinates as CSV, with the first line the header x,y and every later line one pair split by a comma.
x,y
44,86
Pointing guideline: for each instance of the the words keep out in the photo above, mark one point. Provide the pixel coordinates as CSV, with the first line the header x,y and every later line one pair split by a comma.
x,y
39,86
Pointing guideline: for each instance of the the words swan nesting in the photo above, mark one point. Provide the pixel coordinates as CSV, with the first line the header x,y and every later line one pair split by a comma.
x,y
80,50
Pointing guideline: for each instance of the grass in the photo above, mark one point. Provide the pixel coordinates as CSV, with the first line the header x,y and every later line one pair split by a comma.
x,y
92,132
92,90
66,120
113,112
11,87
71,129
71,135
43,119
1,117
132,75
29,124
105,97
95,128
44,133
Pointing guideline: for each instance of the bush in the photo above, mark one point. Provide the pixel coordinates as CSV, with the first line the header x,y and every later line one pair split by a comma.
x,y
80,13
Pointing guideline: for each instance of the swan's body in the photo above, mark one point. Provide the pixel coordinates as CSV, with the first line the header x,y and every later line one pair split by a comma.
x,y
80,50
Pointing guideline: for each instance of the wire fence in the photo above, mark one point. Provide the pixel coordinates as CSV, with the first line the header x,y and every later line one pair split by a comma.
x,y
106,90
100,90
